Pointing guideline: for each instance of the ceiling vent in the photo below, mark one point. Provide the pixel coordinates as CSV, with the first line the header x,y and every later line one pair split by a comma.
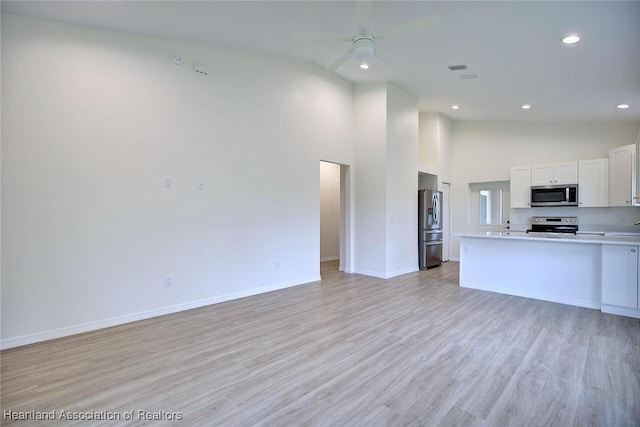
x,y
458,67
468,76
201,68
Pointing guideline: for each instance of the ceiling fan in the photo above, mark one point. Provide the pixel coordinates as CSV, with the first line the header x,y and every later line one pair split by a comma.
x,y
363,42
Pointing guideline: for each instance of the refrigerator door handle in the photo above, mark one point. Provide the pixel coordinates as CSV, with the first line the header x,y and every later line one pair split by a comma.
x,y
434,204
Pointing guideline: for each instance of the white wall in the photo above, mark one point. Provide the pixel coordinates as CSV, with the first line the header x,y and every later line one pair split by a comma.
x,y
329,211
93,121
402,185
434,156
369,179
428,142
484,151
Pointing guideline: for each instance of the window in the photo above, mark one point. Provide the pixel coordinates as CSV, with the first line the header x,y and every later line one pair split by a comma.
x,y
490,207
488,210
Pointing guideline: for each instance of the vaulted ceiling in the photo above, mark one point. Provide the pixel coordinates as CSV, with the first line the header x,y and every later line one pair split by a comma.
x,y
514,48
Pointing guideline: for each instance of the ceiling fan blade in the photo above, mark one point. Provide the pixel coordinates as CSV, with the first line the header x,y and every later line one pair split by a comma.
x,y
411,27
321,36
333,67
389,62
363,16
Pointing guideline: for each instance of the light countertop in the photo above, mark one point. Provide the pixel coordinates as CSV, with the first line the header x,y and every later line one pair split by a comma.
x,y
606,238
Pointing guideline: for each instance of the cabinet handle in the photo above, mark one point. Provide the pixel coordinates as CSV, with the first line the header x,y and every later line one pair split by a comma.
x,y
633,250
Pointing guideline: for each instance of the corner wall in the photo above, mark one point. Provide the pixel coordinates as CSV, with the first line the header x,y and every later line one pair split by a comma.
x,y
386,153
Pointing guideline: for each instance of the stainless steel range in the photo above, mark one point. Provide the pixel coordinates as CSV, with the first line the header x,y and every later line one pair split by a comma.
x,y
554,224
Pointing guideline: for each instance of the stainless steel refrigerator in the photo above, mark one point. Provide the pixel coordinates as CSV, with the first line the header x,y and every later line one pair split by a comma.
x,y
429,228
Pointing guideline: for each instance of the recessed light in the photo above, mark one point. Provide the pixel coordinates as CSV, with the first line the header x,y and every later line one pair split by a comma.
x,y
622,106
364,66
525,106
455,107
571,39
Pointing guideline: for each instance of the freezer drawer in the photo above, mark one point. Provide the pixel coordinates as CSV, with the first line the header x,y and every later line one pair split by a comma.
x,y
430,254
431,235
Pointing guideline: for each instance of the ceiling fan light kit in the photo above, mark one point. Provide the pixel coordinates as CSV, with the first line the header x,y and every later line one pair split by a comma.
x,y
364,47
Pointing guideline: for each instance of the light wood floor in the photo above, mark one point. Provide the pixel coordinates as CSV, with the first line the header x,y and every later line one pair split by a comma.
x,y
349,350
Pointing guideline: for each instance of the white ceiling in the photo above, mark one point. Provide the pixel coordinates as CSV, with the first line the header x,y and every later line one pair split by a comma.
x,y
514,47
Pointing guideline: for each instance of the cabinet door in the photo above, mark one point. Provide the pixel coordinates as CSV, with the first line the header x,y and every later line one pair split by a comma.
x,y
520,187
593,178
636,199
542,174
565,173
620,275
621,175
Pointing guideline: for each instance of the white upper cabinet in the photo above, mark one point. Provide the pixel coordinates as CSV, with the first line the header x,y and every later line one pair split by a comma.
x,y
554,173
593,178
622,175
542,174
520,187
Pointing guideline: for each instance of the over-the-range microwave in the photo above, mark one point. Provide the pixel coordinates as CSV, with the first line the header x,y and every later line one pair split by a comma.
x,y
554,195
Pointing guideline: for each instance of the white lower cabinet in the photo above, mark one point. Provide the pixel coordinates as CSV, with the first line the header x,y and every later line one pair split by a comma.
x,y
620,276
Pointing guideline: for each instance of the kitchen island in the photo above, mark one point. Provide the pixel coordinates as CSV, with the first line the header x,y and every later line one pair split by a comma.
x,y
568,269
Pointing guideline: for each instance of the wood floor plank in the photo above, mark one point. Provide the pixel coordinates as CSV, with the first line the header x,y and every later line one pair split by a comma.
x,y
416,350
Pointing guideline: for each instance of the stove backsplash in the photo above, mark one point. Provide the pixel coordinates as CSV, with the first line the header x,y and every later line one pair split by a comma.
x,y
589,219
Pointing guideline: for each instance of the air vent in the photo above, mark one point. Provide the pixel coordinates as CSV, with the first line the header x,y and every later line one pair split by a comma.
x,y
201,68
458,67
468,76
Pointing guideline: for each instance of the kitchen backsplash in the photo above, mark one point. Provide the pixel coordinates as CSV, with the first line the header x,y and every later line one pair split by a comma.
x,y
620,219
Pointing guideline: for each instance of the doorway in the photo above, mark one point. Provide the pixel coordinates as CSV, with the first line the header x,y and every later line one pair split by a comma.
x,y
334,218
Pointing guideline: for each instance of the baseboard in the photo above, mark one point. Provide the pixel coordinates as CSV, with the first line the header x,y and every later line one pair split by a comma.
x,y
371,273
621,311
534,295
401,272
133,317
381,275
329,258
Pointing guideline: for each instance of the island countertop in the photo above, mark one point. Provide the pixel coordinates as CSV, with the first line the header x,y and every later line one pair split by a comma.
x,y
605,238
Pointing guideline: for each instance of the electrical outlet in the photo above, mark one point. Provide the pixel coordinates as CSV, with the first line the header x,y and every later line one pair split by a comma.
x,y
168,182
200,185
168,281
